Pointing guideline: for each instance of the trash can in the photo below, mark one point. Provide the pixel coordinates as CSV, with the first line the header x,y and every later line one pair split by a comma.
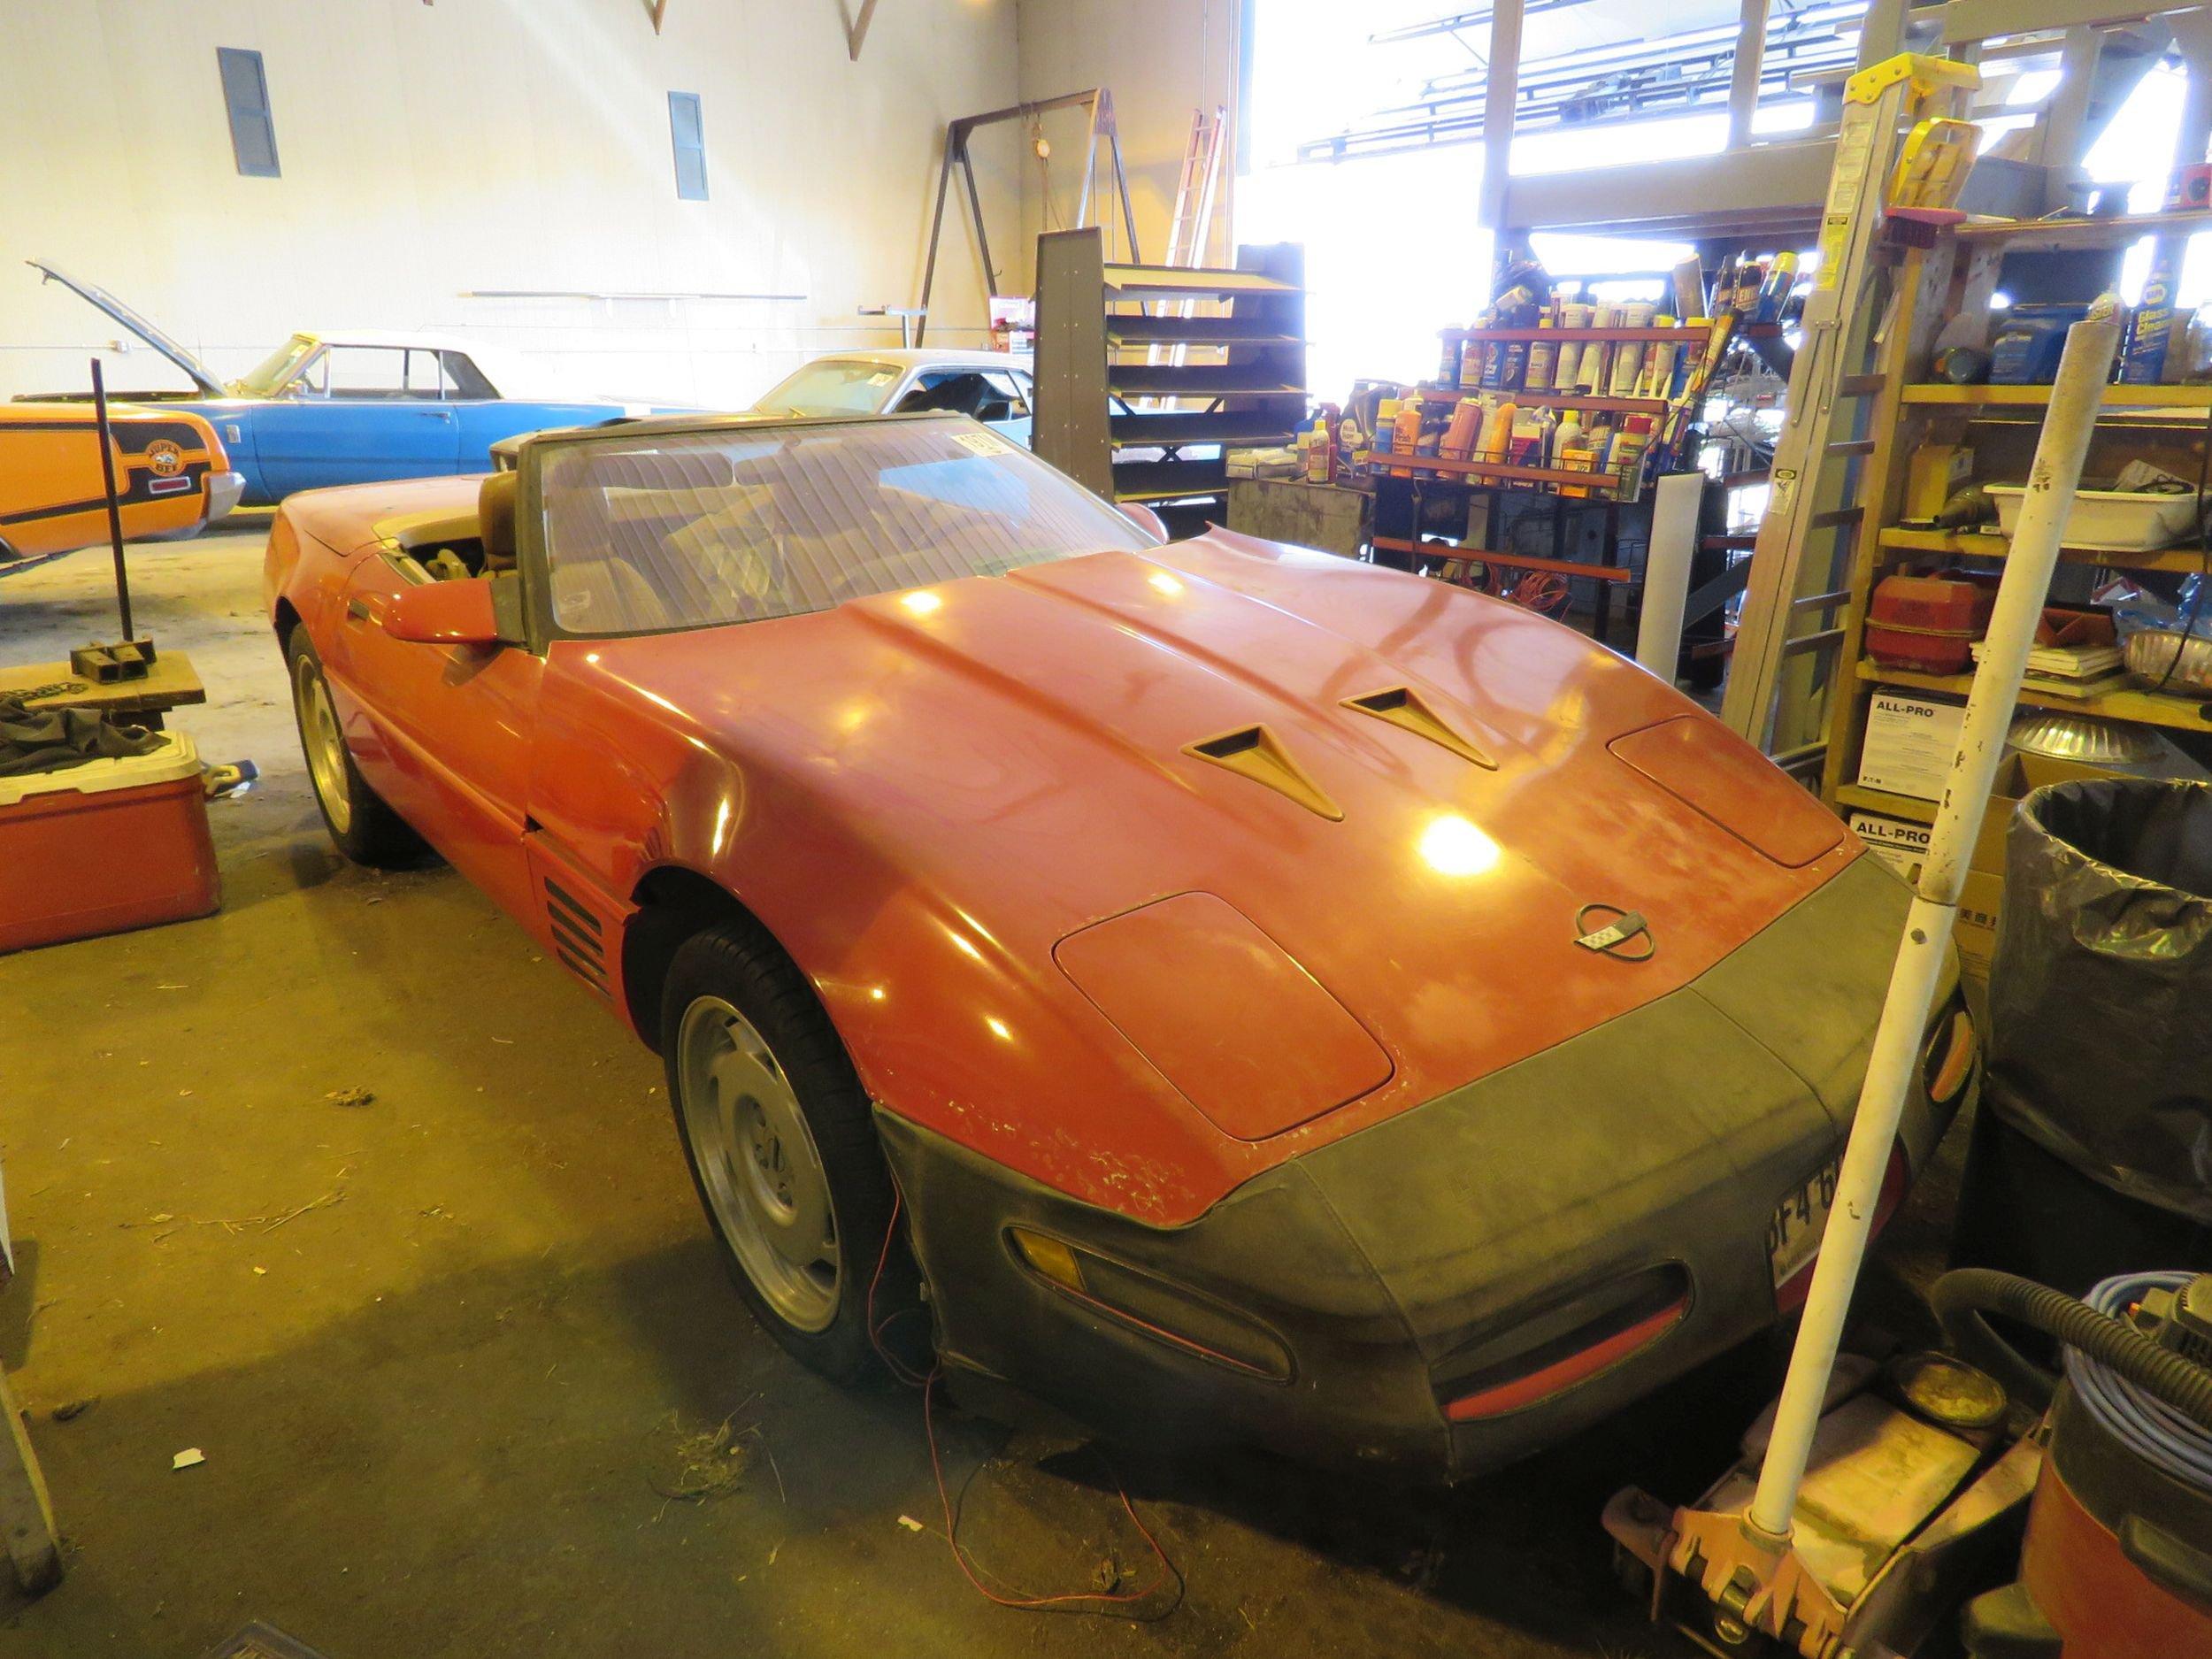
x,y
2093,1154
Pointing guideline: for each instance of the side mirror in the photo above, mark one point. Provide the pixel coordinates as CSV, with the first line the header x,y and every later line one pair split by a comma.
x,y
446,613
1144,519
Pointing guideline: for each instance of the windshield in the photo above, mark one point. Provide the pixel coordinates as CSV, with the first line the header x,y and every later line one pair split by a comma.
x,y
854,388
697,529
269,377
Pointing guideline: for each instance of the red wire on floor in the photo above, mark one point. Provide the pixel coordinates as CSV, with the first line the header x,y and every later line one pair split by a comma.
x,y
928,1385
899,1369
960,1559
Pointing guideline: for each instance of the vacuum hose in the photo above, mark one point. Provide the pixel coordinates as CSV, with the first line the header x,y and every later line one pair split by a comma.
x,y
1962,1296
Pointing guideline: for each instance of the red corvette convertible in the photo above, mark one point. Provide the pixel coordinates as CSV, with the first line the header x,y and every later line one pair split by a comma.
x,y
1295,1001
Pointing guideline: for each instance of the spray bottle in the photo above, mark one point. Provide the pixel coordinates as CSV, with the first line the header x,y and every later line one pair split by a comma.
x,y
1461,436
1565,436
1658,370
1628,359
1543,359
1320,452
1385,426
1405,437
1750,274
1472,355
1775,291
1497,432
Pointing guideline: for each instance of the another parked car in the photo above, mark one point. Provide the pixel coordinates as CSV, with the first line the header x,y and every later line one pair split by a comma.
x,y
993,386
1274,998
326,408
172,477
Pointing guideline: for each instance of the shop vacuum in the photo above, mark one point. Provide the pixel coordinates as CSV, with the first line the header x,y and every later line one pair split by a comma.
x,y
2117,1561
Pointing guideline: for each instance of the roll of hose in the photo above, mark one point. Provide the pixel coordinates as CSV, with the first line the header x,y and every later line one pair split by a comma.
x,y
1962,1296
2158,1433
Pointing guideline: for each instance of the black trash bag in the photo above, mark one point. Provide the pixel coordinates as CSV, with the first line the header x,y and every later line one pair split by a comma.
x,y
2101,988
48,740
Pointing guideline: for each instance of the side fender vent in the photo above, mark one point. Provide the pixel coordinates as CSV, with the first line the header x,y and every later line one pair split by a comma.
x,y
1406,709
1254,752
576,936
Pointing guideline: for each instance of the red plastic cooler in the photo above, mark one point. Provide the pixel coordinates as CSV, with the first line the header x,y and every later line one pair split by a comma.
x,y
104,847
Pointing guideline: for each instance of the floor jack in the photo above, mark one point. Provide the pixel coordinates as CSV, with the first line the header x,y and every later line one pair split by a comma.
x,y
1863,1498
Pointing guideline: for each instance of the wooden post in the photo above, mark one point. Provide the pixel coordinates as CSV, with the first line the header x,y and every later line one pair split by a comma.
x,y
27,1518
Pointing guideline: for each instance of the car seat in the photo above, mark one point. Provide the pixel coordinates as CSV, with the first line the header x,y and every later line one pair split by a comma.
x,y
495,521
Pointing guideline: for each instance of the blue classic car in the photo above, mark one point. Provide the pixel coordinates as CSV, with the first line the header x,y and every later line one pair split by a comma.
x,y
352,408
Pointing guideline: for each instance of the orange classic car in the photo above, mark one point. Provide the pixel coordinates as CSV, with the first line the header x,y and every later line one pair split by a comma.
x,y
1226,990
172,477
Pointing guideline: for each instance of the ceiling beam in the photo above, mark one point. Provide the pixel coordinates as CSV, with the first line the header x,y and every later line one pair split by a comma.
x,y
857,32
1977,20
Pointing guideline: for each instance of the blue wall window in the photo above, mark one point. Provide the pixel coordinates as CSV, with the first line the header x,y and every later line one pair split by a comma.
x,y
246,96
690,138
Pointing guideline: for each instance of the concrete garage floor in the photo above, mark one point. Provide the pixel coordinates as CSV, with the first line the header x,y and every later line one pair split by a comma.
x,y
443,1351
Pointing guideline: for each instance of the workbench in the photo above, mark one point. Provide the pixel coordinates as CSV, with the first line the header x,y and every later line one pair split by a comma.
x,y
1330,516
170,682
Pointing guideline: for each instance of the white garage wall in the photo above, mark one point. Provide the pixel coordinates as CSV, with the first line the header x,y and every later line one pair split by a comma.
x,y
433,150
1161,60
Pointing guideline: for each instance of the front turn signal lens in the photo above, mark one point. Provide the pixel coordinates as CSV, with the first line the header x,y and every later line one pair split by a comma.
x,y
1949,1060
1048,1257
1144,1302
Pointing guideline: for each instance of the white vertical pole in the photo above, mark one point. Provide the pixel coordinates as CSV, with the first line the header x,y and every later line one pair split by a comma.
x,y
1501,82
2059,453
1674,514
1743,77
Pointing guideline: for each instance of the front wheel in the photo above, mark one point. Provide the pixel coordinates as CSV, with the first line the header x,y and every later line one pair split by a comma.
x,y
776,1130
367,831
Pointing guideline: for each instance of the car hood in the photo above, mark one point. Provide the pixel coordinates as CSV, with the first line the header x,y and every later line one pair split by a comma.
x,y
193,369
1024,754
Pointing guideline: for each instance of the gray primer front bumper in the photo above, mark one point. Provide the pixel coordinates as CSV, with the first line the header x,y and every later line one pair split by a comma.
x,y
1663,1137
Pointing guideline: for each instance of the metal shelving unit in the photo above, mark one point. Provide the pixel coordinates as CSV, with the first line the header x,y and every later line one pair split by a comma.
x,y
1948,281
1136,429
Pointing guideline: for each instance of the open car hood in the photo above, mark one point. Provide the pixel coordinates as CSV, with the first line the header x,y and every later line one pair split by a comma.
x,y
193,369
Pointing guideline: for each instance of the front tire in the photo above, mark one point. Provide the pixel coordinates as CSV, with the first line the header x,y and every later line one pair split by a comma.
x,y
782,1147
367,831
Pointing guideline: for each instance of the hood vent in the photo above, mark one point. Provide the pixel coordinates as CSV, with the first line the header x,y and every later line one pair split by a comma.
x,y
1407,709
1256,753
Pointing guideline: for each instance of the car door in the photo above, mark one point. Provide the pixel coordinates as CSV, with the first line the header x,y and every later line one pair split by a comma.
x,y
356,414
442,731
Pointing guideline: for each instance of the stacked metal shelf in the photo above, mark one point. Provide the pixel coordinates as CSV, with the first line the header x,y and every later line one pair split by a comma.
x,y
1120,407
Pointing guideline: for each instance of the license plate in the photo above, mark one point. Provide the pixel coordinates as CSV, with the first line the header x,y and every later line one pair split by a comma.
x,y
1793,1235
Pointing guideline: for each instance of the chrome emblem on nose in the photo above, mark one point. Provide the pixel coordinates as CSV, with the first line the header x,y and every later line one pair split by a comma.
x,y
1616,937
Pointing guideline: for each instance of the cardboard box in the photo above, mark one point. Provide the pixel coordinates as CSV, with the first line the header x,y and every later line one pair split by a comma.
x,y
1901,843
1976,931
2018,776
1909,741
